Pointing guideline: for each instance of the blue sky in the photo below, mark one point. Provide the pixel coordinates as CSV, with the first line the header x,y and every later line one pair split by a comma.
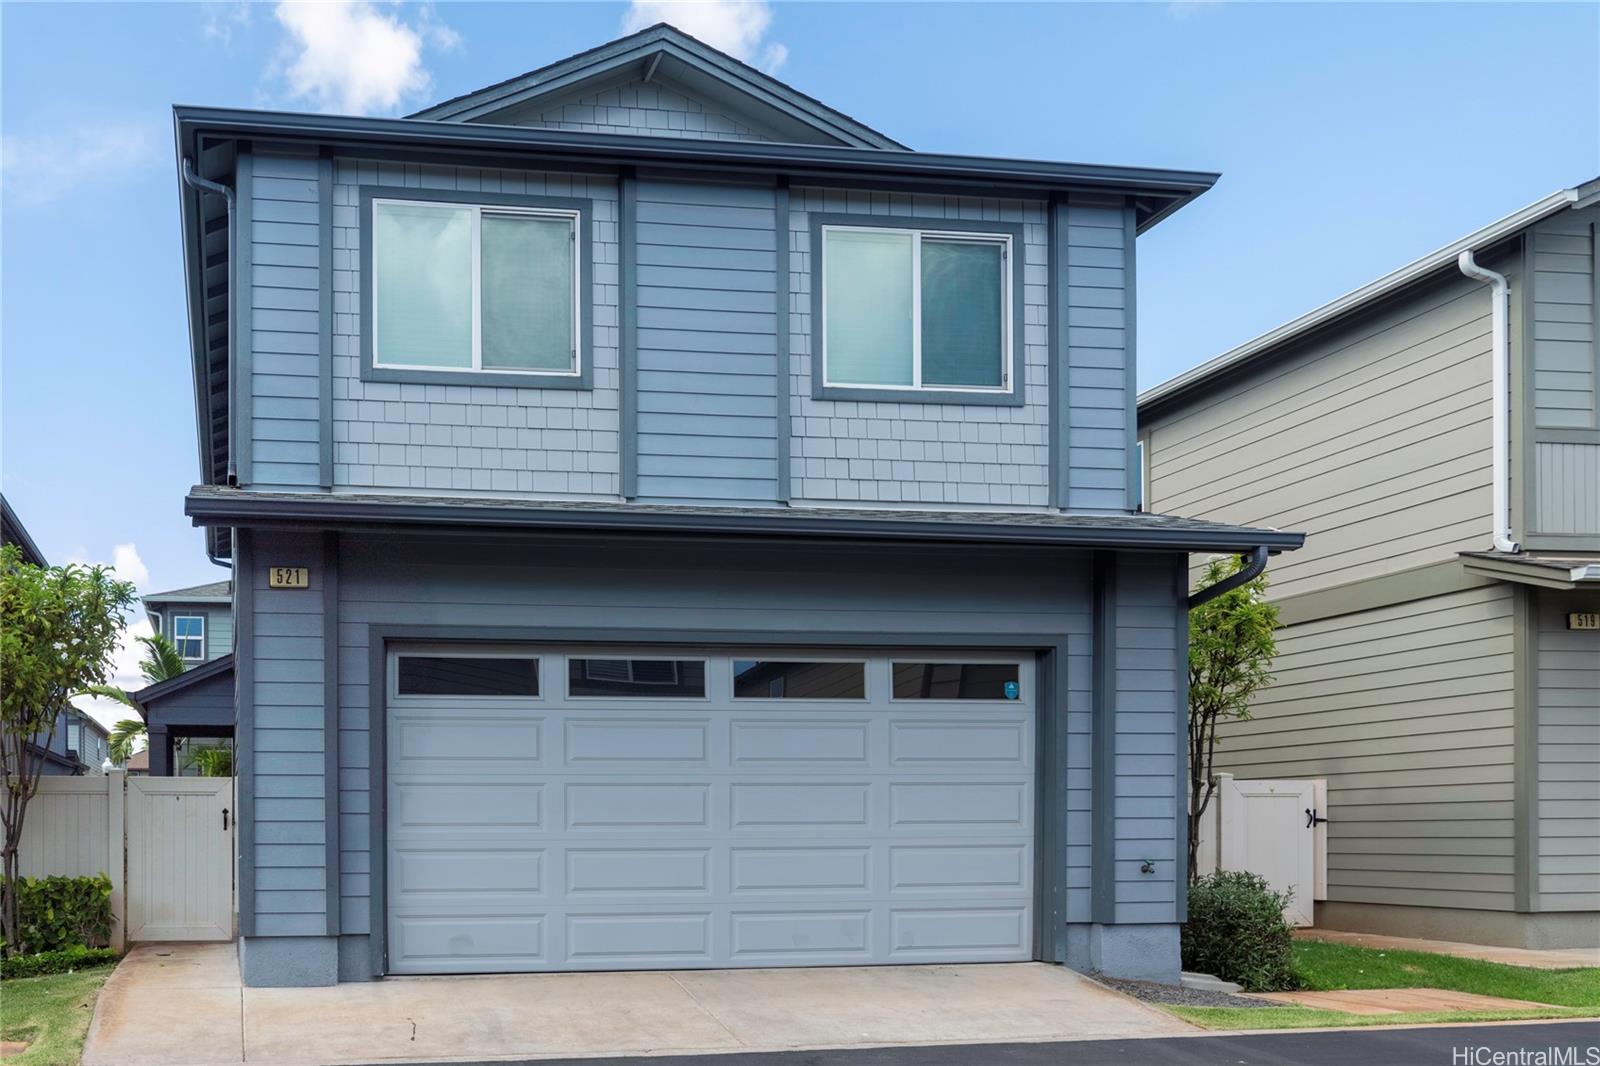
x,y
1351,138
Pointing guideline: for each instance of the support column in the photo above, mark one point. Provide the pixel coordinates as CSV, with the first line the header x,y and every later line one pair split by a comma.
x,y
160,747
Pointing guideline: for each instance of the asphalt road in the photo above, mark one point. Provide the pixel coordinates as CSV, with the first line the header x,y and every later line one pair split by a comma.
x,y
1474,1045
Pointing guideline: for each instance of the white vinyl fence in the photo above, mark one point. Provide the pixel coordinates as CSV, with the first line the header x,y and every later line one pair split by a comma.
x,y
180,849
1277,829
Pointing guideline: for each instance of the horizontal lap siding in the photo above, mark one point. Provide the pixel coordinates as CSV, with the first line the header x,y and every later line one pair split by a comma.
x,y
917,452
289,782
1564,366
1567,800
1097,289
473,439
394,582
707,342
1407,711
285,321
1150,669
1374,441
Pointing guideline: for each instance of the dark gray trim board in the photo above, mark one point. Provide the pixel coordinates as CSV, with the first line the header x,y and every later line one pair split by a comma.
x,y
1525,746
330,724
1056,341
584,379
1180,738
628,333
1162,191
244,739
241,333
1014,396
780,233
1103,735
209,505
1049,648
325,307
1130,361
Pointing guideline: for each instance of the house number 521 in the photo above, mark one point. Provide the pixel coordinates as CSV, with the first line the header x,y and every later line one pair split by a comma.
x,y
288,577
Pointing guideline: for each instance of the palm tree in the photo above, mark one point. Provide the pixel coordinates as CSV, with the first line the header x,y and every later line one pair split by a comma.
x,y
161,662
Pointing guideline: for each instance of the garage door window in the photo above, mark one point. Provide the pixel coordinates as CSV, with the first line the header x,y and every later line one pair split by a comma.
x,y
451,675
956,681
637,678
766,679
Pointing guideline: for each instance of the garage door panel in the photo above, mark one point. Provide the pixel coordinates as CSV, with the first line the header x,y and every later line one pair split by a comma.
x,y
799,805
632,805
552,833
637,741
638,871
800,745
800,870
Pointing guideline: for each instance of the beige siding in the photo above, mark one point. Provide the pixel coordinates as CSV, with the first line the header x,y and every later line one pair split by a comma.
x,y
1407,711
1567,874
1374,440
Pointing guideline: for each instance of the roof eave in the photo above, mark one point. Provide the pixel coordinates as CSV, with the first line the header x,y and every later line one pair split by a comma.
x,y
221,664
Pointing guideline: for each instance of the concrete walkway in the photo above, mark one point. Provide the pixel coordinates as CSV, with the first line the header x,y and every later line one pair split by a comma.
x,y
1537,958
182,1005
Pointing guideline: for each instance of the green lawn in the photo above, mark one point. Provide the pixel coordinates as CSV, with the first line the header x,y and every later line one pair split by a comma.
x,y
1327,967
52,1013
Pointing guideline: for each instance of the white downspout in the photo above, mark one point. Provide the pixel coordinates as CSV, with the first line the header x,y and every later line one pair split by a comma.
x,y
1500,423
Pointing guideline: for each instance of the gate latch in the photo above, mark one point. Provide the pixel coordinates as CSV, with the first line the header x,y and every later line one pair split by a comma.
x,y
1313,819
224,819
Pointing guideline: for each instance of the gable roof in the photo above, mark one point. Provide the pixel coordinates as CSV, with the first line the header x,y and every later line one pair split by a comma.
x,y
1269,344
211,592
218,667
663,51
12,531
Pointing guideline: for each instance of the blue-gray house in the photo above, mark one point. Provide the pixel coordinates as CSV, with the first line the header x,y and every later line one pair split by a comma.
x,y
675,525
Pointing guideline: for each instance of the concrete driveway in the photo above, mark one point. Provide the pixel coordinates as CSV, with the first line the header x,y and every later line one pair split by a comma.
x,y
183,1005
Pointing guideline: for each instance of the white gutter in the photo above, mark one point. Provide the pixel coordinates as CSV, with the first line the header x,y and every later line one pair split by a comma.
x,y
1500,422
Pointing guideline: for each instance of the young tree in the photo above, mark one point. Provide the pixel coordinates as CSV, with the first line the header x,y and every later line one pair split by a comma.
x,y
59,628
1231,645
161,662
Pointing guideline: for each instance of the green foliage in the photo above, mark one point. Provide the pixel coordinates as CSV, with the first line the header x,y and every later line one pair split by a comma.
x,y
211,760
161,662
1236,930
59,627
58,913
1231,645
66,960
1324,966
50,1014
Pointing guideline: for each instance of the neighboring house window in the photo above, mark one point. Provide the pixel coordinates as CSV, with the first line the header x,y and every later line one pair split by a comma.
x,y
189,635
463,287
916,310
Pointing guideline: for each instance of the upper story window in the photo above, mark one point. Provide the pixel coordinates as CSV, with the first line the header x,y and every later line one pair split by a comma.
x,y
917,311
491,291
189,636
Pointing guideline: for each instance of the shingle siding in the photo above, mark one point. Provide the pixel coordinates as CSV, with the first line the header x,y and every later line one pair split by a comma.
x,y
856,451
462,438
637,107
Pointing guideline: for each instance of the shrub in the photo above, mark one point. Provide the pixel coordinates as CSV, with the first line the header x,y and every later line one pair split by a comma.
x,y
64,961
1236,931
63,912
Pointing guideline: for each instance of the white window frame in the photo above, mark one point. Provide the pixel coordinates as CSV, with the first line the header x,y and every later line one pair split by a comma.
x,y
917,235
201,637
574,219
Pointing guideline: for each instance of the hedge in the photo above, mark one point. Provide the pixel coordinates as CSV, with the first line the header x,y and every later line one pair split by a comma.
x,y
63,961
1237,932
58,913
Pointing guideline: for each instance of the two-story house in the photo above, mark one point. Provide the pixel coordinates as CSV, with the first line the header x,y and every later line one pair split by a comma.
x,y
195,709
675,525
1435,433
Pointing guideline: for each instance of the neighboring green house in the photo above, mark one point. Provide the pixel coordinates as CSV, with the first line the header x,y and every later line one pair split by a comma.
x,y
198,619
1440,657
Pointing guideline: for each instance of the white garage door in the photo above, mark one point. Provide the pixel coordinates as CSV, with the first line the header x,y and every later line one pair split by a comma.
x,y
614,810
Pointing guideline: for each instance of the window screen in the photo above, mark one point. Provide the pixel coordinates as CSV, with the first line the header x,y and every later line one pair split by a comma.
x,y
453,675
641,678
956,681
766,679
527,293
962,328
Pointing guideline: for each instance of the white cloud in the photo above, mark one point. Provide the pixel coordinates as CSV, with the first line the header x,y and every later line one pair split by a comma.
x,y
125,674
354,58
129,567
222,17
738,27
45,167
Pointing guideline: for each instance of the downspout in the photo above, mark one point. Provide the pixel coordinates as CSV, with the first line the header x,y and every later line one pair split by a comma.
x,y
1499,423
203,185
1251,571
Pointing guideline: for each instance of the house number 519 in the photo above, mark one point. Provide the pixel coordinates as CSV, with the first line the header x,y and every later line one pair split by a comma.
x,y
288,577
